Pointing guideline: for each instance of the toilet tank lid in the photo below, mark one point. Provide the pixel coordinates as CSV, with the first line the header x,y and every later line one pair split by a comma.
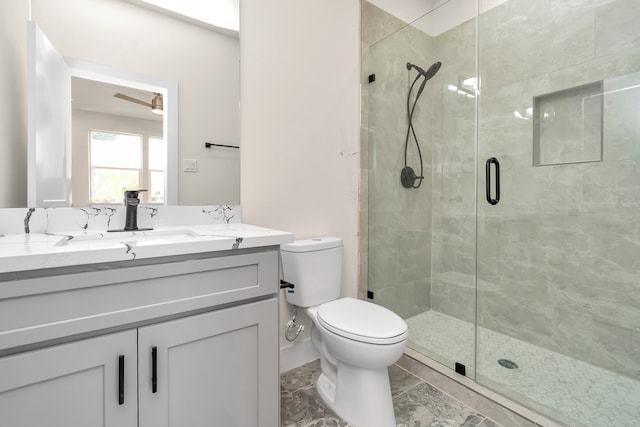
x,y
314,244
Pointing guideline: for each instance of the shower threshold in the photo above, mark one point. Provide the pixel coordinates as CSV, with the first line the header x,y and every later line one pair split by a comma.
x,y
563,388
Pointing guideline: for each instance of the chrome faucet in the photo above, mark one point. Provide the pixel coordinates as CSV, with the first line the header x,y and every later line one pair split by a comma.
x,y
131,202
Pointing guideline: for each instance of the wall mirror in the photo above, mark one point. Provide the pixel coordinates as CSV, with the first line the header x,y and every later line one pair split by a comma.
x,y
138,41
59,154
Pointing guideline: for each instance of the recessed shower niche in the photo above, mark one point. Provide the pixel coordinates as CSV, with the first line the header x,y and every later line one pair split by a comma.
x,y
567,125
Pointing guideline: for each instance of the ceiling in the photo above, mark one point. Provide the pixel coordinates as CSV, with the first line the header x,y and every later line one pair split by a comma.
x,y
90,95
219,15
434,17
405,10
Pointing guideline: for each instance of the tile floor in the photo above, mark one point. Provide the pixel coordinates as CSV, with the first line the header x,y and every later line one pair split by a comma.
x,y
416,403
566,389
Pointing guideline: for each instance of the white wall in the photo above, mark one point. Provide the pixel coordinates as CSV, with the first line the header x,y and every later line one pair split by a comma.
x,y
300,115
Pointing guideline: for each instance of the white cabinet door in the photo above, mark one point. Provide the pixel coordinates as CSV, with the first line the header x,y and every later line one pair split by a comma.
x,y
214,369
75,384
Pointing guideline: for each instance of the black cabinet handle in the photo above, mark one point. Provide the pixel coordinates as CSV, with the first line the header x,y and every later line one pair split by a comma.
x,y
120,379
154,369
495,162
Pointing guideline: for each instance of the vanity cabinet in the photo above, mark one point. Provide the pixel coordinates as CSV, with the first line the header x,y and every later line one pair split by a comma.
x,y
182,342
74,384
215,369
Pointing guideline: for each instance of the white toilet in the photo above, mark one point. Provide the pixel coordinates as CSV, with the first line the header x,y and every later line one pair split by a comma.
x,y
357,340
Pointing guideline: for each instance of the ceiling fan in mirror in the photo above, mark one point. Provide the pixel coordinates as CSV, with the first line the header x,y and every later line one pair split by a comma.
x,y
156,103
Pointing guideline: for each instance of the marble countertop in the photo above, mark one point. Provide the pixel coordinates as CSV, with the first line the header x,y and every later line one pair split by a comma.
x,y
33,251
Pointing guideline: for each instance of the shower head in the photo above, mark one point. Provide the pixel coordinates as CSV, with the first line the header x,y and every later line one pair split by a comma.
x,y
426,74
432,70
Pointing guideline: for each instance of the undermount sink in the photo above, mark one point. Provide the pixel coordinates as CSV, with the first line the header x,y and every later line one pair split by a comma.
x,y
131,238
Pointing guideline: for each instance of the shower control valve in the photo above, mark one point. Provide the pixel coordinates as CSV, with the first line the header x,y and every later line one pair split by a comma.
x,y
408,177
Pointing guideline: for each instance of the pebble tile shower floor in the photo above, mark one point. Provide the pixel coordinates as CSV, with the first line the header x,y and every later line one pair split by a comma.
x,y
567,389
416,403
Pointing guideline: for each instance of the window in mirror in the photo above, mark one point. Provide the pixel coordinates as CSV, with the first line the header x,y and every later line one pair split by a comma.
x,y
157,162
116,165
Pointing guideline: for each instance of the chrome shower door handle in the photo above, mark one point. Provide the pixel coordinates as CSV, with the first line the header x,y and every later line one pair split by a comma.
x,y
494,161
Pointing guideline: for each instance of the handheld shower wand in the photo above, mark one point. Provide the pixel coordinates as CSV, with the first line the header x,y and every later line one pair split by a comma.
x,y
408,176
428,75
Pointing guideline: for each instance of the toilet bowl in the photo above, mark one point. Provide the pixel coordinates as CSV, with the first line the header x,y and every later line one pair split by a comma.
x,y
354,380
357,340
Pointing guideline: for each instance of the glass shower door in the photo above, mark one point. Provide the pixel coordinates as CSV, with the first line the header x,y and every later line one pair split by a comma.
x,y
421,240
558,247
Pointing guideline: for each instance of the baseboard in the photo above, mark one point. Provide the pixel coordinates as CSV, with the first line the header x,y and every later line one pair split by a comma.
x,y
297,354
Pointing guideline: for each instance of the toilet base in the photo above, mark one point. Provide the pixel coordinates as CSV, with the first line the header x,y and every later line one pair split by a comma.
x,y
361,397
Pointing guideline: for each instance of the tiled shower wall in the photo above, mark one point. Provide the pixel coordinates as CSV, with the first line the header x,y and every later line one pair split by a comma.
x,y
454,174
376,24
399,218
559,257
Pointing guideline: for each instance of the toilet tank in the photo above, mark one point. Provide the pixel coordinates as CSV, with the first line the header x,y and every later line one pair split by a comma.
x,y
314,266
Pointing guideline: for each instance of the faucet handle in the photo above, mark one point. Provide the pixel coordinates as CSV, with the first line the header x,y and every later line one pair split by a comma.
x,y
132,194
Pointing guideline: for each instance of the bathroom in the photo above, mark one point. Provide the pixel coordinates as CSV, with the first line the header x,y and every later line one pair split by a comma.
x,y
305,156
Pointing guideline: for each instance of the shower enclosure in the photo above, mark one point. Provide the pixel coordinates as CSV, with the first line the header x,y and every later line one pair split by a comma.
x,y
533,292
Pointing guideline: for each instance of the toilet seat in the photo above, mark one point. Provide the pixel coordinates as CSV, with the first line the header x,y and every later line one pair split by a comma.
x,y
362,321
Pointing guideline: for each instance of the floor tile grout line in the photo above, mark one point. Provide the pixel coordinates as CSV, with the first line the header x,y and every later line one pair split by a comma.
x,y
409,389
419,381
446,394
481,421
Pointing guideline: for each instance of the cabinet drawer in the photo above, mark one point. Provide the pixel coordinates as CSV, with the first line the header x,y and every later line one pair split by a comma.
x,y
40,309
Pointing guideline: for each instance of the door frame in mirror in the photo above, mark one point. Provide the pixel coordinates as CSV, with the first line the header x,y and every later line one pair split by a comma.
x,y
169,91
